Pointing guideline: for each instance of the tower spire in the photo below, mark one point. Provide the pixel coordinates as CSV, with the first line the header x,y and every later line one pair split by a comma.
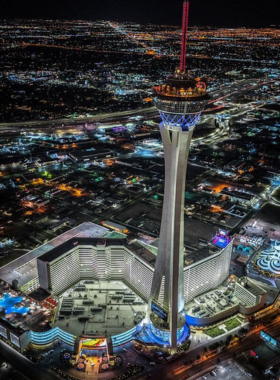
x,y
184,35
180,102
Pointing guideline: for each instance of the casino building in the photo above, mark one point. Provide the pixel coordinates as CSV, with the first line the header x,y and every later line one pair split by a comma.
x,y
89,254
113,259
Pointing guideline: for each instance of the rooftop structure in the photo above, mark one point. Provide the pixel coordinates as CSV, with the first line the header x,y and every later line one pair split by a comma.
x,y
105,308
221,239
242,295
268,353
77,265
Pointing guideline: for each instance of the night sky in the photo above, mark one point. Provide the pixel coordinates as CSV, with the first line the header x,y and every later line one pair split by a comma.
x,y
229,13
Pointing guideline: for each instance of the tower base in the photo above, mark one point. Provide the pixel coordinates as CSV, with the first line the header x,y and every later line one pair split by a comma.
x,y
161,338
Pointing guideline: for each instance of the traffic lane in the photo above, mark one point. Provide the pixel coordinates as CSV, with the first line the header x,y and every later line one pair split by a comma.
x,y
175,370
131,356
247,344
22,364
5,371
99,117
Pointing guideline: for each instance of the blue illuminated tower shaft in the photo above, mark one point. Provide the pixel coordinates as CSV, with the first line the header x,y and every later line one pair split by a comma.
x,y
169,266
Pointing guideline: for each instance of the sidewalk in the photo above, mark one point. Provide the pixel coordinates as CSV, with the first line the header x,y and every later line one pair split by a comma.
x,y
91,374
201,339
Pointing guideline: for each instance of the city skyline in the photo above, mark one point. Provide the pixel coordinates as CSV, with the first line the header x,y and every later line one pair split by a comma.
x,y
213,13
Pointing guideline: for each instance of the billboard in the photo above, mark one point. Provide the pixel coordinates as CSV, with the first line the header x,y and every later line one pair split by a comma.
x,y
269,339
159,312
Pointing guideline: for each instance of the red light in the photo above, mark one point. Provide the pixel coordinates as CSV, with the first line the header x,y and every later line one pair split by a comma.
x,y
184,35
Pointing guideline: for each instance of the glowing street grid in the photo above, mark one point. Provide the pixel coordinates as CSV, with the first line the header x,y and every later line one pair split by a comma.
x,y
8,303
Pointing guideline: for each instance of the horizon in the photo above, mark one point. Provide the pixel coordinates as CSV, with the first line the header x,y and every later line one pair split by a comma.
x,y
272,26
249,14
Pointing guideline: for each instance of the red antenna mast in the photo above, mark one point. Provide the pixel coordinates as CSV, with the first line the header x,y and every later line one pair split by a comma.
x,y
184,36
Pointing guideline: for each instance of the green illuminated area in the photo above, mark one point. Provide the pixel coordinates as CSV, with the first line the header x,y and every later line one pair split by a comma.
x,y
98,179
214,332
232,324
158,197
46,174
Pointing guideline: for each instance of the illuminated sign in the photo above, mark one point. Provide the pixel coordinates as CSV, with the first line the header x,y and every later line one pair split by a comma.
x,y
93,343
269,339
223,232
159,312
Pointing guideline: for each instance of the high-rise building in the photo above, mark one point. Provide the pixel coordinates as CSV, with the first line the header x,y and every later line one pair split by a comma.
x,y
180,102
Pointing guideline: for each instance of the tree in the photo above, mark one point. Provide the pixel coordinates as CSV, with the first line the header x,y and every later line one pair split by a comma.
x,y
229,338
197,357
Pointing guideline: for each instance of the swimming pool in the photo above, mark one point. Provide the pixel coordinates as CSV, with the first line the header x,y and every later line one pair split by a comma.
x,y
8,302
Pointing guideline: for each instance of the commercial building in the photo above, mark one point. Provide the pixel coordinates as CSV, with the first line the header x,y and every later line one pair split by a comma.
x,y
100,259
207,273
14,334
87,253
109,259
267,354
242,296
249,293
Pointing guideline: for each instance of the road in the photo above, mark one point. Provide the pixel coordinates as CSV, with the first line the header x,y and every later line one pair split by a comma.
x,y
78,120
169,370
146,51
22,364
175,369
234,89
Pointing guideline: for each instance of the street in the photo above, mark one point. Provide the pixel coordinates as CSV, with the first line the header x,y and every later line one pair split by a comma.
x,y
22,364
176,370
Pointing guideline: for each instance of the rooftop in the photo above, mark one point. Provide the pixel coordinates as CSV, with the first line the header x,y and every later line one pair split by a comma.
x,y
71,243
24,269
99,308
212,303
267,354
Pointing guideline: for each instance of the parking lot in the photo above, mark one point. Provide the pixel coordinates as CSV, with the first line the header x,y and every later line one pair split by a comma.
x,y
227,372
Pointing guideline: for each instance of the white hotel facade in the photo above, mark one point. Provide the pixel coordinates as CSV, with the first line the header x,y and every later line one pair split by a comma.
x,y
112,259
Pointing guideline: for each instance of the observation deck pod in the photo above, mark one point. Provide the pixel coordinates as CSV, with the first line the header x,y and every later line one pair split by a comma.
x,y
181,100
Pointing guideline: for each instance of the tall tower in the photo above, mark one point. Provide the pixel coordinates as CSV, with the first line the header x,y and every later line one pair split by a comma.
x,y
180,102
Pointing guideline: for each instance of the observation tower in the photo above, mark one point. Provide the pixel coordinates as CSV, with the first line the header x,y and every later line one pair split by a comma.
x,y
180,102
